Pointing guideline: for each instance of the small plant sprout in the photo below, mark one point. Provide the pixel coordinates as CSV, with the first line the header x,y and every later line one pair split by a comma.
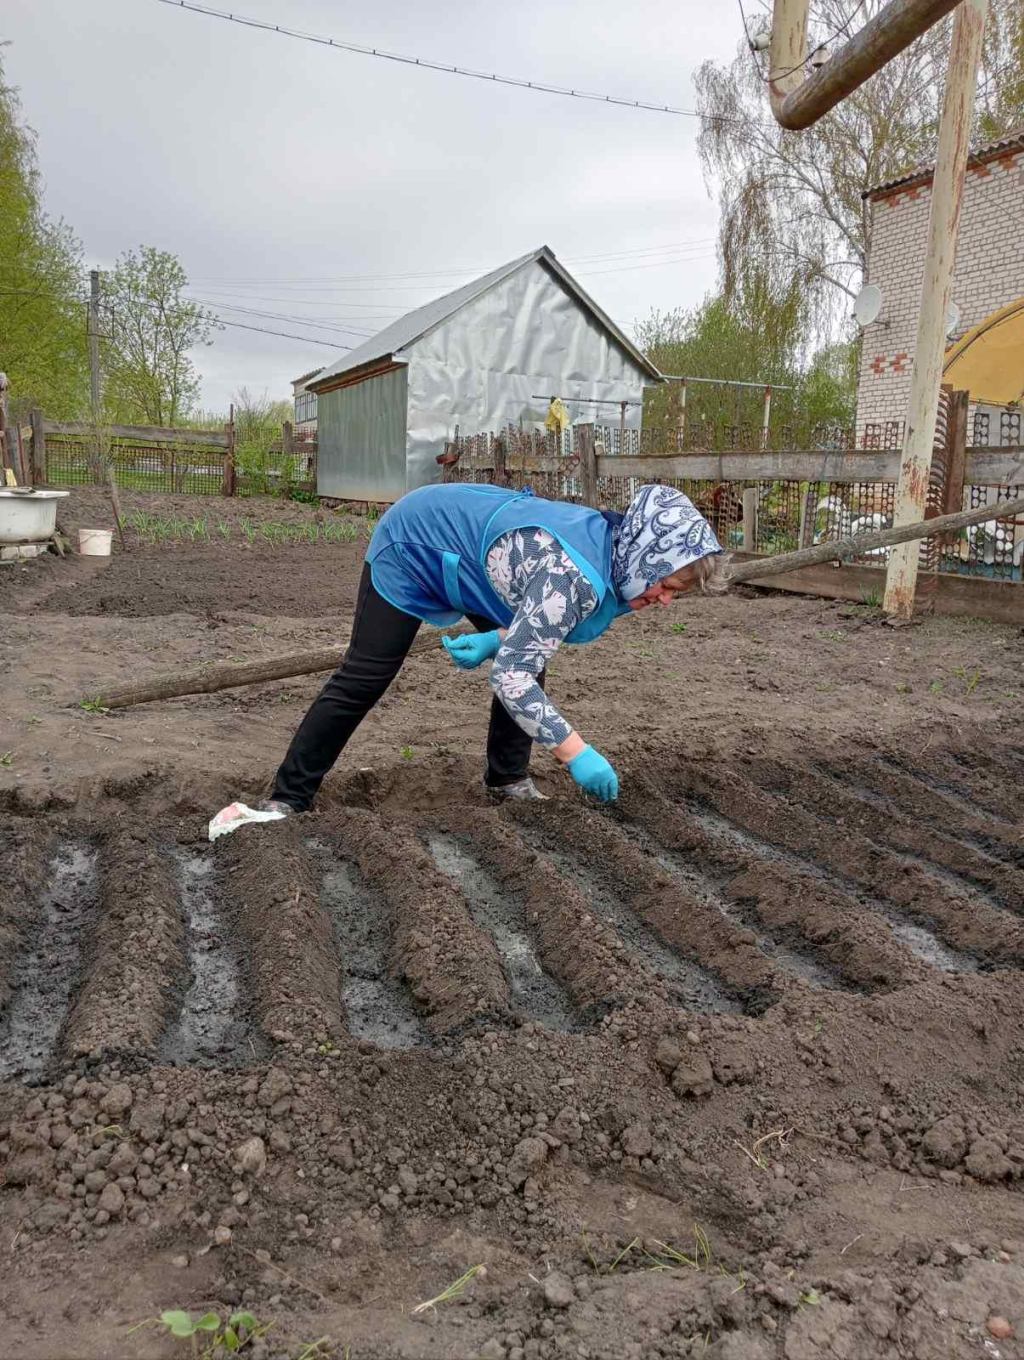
x,y
679,628
935,687
453,1290
754,1151
7,759
871,598
93,706
970,679
668,1257
406,753
240,1330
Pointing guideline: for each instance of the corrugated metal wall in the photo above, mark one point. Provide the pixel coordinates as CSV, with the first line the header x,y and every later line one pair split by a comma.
x,y
362,455
481,368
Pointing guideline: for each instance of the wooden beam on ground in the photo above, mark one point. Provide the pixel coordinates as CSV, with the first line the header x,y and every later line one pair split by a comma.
x,y
229,675
843,549
999,601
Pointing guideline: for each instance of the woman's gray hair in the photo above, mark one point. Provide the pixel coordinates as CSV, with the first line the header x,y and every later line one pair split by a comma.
x,y
713,573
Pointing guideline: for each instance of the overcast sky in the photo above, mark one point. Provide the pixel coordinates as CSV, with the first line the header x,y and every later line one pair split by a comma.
x,y
292,179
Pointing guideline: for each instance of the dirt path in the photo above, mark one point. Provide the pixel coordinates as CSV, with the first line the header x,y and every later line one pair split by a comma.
x,y
730,1070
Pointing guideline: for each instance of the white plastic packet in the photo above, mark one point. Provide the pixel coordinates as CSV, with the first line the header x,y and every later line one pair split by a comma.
x,y
236,815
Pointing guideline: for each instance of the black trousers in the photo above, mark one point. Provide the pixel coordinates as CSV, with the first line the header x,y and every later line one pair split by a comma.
x,y
381,638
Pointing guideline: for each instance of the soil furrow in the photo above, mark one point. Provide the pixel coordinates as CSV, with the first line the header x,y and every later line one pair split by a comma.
x,y
966,922
293,971
133,959
209,1026
891,788
574,946
378,1005
966,869
44,971
711,964
965,787
535,994
792,901
26,853
451,966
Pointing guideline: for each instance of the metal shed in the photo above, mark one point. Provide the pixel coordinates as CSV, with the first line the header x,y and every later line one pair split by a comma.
x,y
476,358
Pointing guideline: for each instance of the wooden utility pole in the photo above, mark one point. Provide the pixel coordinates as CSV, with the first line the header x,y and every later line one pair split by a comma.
x,y
101,460
38,447
6,449
228,482
936,287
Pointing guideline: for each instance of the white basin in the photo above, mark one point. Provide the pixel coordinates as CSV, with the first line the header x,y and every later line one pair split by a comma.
x,y
28,516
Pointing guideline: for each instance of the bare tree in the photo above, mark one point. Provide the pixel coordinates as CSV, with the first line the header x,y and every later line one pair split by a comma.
x,y
792,202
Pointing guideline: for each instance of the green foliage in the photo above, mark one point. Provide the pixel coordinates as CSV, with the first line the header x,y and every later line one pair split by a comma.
x,y
757,337
262,467
149,377
42,320
227,1338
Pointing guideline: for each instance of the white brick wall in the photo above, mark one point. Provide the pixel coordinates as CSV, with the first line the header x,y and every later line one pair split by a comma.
x,y
989,274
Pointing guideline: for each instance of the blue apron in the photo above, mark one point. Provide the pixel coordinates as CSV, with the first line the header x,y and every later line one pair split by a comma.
x,y
428,551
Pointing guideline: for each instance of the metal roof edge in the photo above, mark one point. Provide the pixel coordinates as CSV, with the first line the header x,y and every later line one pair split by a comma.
x,y
367,369
547,256
922,174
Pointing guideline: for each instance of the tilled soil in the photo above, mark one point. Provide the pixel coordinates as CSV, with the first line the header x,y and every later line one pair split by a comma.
x,y
731,1070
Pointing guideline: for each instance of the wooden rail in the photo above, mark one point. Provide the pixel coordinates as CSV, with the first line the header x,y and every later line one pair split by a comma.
x,y
984,467
144,434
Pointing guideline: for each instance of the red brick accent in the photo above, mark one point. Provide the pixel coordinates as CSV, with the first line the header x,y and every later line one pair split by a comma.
x,y
899,362
878,365
981,170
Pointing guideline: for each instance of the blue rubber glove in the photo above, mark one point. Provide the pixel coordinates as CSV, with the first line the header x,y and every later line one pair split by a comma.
x,y
593,773
470,649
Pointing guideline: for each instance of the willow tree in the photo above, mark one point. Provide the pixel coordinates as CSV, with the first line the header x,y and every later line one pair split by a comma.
x,y
792,202
42,318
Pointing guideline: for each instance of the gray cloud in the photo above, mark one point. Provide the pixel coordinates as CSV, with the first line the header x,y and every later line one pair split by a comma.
x,y
276,169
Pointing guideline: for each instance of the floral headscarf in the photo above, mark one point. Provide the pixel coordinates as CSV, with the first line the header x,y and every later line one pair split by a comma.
x,y
661,532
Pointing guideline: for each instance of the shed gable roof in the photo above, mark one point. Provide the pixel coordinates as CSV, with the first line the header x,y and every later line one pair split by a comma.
x,y
400,334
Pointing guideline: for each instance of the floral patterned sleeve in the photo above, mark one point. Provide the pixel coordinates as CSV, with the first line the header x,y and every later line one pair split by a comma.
x,y
550,595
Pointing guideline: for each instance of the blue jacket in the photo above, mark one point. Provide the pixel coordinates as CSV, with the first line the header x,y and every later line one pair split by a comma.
x,y
428,551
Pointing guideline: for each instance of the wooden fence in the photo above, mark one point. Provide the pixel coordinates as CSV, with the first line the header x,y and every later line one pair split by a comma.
x,y
771,502
151,458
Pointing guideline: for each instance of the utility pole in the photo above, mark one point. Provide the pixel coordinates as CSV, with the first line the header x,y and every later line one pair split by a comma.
x,y
94,348
936,286
102,464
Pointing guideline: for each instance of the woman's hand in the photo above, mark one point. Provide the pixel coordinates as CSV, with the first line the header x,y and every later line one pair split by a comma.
x,y
470,650
593,773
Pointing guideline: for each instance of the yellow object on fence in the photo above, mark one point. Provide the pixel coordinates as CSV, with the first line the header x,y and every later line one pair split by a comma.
x,y
558,417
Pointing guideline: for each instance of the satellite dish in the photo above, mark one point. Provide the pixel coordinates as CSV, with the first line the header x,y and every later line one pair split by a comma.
x,y
952,318
867,304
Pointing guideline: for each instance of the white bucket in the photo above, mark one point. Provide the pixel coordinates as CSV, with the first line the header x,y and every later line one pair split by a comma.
x,y
94,542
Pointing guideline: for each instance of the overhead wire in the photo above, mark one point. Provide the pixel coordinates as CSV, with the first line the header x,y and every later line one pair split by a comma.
x,y
447,68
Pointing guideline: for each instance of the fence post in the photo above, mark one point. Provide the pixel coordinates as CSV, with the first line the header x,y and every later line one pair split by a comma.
x,y
586,450
287,440
38,447
808,509
227,487
956,453
750,519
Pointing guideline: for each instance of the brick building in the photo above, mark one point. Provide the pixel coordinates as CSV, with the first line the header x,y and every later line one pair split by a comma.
x,y
988,279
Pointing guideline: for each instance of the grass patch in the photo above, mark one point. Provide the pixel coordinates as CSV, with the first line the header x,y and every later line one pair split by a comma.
x,y
153,529
453,1290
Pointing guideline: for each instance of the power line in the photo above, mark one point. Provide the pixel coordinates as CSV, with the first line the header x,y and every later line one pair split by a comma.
x,y
150,306
313,279
447,68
